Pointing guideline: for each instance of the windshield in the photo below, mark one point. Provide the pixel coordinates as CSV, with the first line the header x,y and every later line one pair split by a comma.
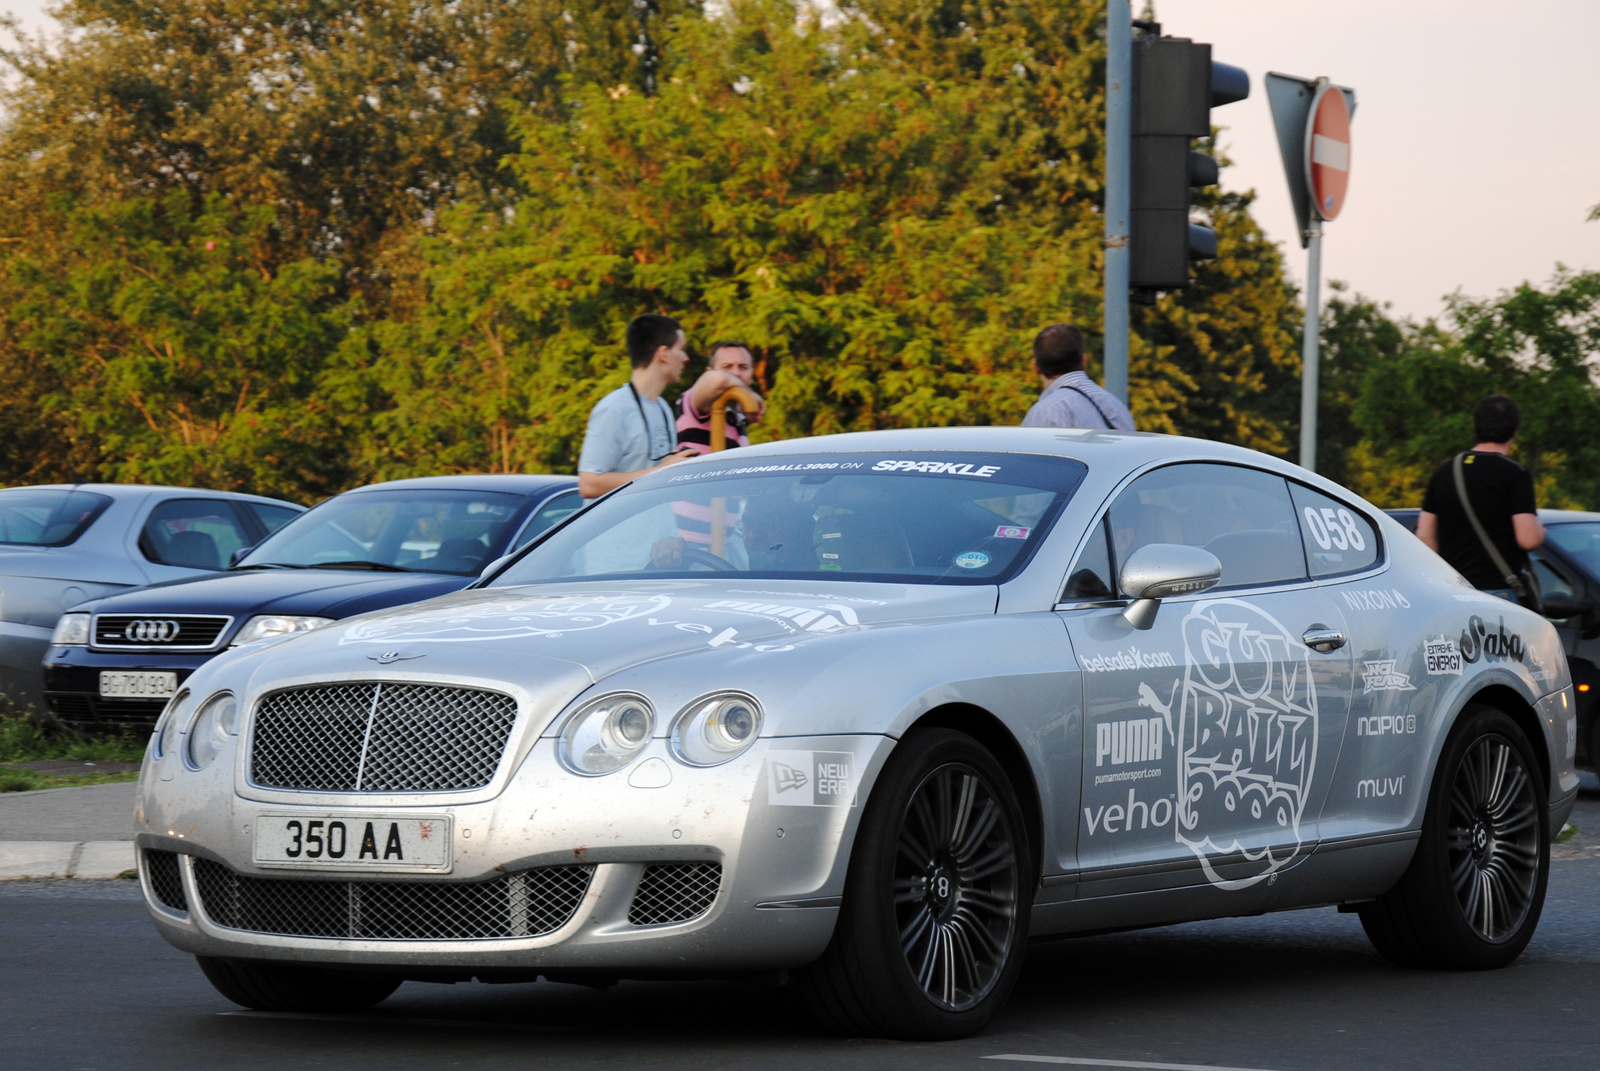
x,y
47,516
432,531
922,518
1581,541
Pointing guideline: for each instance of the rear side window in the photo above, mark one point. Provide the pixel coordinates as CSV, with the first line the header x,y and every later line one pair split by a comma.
x,y
1338,539
1244,516
47,516
272,517
550,514
193,533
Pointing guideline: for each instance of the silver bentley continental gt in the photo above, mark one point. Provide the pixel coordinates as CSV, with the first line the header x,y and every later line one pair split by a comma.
x,y
868,712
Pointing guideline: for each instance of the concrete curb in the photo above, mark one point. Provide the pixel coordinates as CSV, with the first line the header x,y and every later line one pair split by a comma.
x,y
64,859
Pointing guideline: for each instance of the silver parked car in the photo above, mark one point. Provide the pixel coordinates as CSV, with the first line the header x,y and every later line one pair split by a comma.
x,y
62,544
873,709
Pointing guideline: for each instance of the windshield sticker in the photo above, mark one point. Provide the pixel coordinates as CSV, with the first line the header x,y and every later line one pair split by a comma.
x,y
1443,657
1011,531
1478,642
972,559
811,779
1380,676
938,468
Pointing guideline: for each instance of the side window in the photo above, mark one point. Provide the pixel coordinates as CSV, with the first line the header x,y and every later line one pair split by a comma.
x,y
272,517
1553,579
1338,539
1242,515
1091,574
192,533
550,514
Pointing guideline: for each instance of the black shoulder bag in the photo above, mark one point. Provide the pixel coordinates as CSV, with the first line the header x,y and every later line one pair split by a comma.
x,y
1525,583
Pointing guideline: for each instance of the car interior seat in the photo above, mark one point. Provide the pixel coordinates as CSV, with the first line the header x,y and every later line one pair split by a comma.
x,y
459,555
1258,556
193,550
860,543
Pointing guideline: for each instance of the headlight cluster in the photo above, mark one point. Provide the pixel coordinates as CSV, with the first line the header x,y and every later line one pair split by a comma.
x,y
165,735
213,725
266,626
607,733
72,630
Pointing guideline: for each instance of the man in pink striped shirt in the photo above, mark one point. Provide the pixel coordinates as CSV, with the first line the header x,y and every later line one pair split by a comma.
x,y
730,365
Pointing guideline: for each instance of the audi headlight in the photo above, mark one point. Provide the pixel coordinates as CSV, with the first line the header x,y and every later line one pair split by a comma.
x,y
165,735
213,725
716,728
72,630
607,733
266,626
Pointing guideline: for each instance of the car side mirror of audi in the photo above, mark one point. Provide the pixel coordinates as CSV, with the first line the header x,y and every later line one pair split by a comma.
x,y
1159,571
238,556
1560,607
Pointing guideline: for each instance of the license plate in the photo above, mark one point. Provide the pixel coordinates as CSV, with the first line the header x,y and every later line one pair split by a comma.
x,y
352,842
137,685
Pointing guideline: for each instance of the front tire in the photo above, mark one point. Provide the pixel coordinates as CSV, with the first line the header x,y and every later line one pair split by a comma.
x,y
1472,896
283,987
934,923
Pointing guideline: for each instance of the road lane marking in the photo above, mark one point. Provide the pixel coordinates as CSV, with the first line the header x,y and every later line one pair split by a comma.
x,y
1083,1061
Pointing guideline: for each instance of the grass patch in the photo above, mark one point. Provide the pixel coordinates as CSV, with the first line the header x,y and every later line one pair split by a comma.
x,y
24,739
15,780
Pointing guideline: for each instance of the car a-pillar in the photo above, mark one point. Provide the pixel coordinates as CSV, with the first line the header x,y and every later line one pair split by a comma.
x,y
992,733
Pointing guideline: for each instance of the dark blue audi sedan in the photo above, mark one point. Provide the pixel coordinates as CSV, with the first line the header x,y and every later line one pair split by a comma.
x,y
117,660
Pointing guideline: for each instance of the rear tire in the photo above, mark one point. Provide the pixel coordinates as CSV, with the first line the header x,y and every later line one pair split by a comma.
x,y
934,923
1472,896
283,987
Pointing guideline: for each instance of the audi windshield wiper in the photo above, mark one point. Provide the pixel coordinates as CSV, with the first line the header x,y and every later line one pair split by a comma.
x,y
266,565
377,567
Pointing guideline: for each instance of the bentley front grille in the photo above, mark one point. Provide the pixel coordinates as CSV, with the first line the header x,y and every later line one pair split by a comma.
x,y
161,869
530,903
158,632
674,892
380,737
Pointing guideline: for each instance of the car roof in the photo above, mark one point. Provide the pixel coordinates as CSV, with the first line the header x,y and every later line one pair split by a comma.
x,y
138,490
511,483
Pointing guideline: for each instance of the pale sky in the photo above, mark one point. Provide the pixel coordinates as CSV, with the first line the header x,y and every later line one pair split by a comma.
x,y
1475,147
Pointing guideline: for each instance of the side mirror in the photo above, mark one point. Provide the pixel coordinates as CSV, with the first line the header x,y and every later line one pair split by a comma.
x,y
238,556
1559,607
1158,571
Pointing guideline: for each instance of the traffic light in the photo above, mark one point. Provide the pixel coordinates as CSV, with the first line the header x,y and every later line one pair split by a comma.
x,y
1175,86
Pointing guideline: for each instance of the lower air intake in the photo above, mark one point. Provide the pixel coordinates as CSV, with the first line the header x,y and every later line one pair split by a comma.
x,y
675,892
526,904
161,870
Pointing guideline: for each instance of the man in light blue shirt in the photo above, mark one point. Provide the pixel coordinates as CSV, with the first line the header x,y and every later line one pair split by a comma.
x,y
1070,398
632,430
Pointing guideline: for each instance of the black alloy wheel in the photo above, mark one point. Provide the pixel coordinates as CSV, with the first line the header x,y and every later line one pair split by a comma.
x,y
1472,895
1493,839
955,887
937,899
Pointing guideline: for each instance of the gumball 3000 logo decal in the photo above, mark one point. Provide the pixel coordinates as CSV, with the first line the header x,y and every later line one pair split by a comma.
x,y
1247,742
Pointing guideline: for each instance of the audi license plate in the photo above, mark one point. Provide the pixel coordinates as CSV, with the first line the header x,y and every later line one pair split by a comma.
x,y
137,685
352,842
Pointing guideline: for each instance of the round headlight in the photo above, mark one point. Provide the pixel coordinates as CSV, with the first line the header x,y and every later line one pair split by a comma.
x,y
716,728
165,735
213,725
607,733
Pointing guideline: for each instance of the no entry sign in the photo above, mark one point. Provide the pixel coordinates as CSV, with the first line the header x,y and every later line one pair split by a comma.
x,y
1327,152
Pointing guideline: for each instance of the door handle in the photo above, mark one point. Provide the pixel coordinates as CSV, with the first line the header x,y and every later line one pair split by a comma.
x,y
1324,639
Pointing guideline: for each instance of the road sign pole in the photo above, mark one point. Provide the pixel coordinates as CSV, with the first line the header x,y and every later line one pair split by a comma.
x,y
1309,354
1119,169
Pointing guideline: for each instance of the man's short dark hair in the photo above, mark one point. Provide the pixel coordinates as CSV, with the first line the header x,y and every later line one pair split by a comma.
x,y
1496,419
649,333
728,344
1058,349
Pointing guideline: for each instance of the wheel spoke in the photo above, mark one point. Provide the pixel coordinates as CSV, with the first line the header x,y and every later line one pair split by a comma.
x,y
1510,791
978,831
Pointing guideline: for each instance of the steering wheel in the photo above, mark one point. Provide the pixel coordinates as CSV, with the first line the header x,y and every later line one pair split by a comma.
x,y
715,562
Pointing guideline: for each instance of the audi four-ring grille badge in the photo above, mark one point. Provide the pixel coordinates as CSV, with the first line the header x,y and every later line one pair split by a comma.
x,y
191,632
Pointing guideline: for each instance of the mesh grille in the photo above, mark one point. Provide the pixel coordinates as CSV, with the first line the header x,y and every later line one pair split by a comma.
x,y
162,870
526,904
379,737
675,892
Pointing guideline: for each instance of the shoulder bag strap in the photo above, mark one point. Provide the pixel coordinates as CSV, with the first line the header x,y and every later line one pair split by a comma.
x,y
1090,399
1513,581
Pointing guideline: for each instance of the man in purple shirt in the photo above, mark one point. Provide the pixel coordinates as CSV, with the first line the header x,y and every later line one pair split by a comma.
x,y
1070,398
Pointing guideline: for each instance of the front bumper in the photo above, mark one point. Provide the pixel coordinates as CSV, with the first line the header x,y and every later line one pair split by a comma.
x,y
72,684
782,864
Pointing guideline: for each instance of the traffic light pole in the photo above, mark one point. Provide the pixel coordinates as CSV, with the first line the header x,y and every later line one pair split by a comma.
x,y
1119,170
1313,333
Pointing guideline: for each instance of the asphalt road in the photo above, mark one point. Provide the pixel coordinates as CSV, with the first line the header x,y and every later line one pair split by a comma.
x,y
85,983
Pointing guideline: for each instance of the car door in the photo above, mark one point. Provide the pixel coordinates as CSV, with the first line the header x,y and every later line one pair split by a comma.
x,y
187,536
1207,741
1580,634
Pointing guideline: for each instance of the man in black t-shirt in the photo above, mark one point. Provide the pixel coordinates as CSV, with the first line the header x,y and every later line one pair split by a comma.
x,y
1502,496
